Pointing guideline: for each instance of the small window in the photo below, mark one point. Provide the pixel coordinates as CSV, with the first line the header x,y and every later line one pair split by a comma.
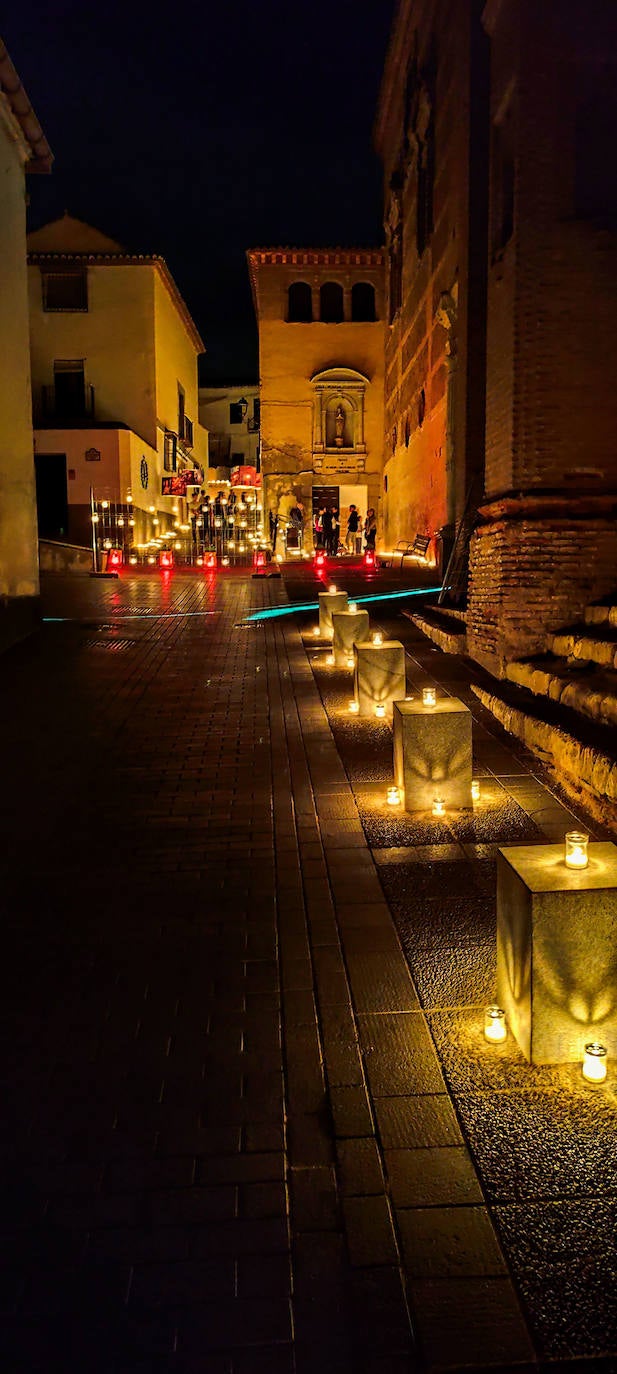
x,y
299,303
362,301
331,303
65,290
235,413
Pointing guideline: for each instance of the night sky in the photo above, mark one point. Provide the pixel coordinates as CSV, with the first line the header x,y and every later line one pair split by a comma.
x,y
206,132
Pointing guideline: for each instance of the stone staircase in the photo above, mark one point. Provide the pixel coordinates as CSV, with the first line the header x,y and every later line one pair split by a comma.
x,y
561,704
447,628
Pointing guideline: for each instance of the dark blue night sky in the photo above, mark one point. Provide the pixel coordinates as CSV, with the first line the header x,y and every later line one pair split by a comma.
x,y
214,130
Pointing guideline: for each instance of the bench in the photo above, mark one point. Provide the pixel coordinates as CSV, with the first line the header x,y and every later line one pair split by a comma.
x,y
407,548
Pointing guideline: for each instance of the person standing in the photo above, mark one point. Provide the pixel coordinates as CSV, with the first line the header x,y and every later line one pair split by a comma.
x,y
370,529
353,526
336,533
318,527
326,535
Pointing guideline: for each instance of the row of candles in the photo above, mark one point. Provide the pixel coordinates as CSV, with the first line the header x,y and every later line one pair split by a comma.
x,y
594,1063
594,1067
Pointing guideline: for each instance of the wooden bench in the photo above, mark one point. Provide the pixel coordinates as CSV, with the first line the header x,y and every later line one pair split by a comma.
x,y
407,548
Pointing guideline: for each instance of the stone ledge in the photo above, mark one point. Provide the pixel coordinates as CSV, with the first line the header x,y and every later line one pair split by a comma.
x,y
448,635
594,695
585,772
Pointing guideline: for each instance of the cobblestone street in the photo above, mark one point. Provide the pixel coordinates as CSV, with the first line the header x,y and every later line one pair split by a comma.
x,y
250,1122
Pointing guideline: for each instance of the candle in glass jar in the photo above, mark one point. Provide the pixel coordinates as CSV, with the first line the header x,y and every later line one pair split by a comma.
x,y
495,1025
576,849
594,1063
429,696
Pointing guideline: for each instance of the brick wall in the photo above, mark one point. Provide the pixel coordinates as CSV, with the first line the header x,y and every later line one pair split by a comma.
x,y
437,60
532,576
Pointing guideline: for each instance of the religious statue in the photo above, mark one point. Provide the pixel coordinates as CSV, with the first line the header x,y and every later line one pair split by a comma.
x,y
339,425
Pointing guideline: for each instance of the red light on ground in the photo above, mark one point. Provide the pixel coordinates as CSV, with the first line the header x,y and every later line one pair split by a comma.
x,y
210,560
166,558
320,560
259,559
369,559
115,559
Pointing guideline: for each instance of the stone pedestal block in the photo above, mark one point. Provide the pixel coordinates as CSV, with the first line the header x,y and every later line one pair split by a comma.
x,y
329,602
432,753
348,628
557,950
379,675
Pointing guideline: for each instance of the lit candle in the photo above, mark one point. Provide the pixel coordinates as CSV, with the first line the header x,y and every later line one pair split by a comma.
x,y
354,707
330,660
394,796
132,560
332,589
439,807
352,607
105,505
378,637
576,849
200,562
429,696
279,558
351,663
94,518
594,1063
225,562
380,711
475,790
495,1025
316,631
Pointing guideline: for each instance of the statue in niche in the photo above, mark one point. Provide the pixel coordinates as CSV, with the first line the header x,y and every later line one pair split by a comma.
x,y
339,426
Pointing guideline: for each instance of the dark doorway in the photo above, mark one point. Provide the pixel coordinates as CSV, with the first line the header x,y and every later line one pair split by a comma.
x,y
52,503
325,496
70,390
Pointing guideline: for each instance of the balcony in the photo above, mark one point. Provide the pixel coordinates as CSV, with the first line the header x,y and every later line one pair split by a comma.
x,y
59,408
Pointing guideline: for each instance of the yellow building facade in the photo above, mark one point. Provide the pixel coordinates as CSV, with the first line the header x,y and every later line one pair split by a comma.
x,y
23,149
114,377
321,351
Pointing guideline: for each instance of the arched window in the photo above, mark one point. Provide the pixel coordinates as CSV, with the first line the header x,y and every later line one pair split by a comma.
x,y
299,303
362,301
331,303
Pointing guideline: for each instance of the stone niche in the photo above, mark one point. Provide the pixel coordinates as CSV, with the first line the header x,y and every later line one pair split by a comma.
x,y
557,950
433,752
338,411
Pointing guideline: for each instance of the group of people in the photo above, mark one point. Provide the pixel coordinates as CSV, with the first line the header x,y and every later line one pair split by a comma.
x,y
327,531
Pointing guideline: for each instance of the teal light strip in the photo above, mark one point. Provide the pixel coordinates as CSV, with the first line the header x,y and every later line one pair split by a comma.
x,y
275,611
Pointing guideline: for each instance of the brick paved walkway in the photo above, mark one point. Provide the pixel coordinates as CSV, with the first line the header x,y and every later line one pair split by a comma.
x,y
229,1145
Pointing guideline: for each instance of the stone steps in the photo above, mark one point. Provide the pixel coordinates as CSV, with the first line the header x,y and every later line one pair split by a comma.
x,y
587,689
586,644
582,752
600,614
446,629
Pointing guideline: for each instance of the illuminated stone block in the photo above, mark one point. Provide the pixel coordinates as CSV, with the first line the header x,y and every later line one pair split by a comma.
x,y
432,753
557,950
329,602
379,677
349,628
